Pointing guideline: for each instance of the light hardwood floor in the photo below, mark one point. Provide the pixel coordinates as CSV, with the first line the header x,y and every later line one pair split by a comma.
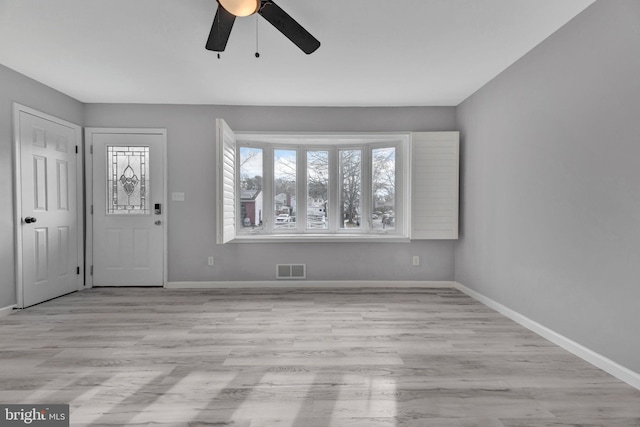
x,y
298,357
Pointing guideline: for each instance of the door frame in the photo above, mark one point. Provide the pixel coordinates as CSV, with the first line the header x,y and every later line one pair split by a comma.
x,y
88,181
17,194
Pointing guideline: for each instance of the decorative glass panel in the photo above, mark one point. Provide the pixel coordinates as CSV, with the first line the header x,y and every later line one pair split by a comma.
x,y
128,180
351,188
317,189
284,185
384,188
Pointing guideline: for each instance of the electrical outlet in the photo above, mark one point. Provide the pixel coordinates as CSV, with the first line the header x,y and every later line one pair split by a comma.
x,y
416,260
210,261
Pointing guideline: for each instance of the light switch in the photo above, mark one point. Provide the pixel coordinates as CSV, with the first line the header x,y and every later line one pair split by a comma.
x,y
177,197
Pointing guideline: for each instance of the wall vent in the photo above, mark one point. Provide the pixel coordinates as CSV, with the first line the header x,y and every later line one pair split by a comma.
x,y
291,271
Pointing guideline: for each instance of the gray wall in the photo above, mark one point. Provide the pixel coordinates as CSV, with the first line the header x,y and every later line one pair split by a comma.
x,y
191,140
16,87
551,183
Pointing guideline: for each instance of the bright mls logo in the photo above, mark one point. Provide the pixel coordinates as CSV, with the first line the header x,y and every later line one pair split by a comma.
x,y
34,415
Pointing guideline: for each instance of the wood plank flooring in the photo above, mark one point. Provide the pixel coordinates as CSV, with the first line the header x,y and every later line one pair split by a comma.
x,y
298,358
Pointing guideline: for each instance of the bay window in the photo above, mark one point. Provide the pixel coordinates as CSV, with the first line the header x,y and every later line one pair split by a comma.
x,y
333,187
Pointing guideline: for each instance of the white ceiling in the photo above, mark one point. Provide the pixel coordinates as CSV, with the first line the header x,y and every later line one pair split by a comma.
x,y
373,52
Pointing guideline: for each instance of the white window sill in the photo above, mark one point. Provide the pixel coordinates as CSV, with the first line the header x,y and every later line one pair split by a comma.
x,y
315,238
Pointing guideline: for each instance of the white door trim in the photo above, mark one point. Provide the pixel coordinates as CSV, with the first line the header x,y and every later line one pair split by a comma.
x,y
88,152
17,192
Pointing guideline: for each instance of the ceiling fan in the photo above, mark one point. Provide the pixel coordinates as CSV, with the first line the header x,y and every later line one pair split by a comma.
x,y
228,10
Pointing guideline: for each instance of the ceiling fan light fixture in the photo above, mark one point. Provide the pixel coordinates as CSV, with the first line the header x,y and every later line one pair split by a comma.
x,y
240,7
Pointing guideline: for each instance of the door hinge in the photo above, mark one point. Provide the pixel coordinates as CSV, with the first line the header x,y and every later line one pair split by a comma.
x,y
91,272
77,270
76,149
91,209
91,149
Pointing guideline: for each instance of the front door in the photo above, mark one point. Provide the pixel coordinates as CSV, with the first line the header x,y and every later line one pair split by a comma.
x,y
128,206
47,198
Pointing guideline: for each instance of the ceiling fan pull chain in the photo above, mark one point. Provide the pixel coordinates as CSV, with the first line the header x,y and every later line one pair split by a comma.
x,y
257,50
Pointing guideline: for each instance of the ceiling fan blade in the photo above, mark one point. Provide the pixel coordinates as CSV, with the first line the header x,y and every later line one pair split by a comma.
x,y
220,30
288,26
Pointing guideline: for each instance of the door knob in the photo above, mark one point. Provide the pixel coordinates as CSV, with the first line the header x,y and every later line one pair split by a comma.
x,y
29,219
158,222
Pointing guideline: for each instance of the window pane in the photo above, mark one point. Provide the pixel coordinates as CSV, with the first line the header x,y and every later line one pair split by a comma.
x,y
127,180
317,189
351,187
284,185
251,188
384,188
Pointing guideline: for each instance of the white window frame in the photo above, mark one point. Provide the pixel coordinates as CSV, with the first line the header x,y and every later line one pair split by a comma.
x,y
408,181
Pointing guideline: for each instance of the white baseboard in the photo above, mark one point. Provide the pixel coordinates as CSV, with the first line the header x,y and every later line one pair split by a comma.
x,y
6,310
624,374
310,284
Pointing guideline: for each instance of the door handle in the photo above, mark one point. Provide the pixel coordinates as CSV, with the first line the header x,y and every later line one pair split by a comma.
x,y
158,222
29,219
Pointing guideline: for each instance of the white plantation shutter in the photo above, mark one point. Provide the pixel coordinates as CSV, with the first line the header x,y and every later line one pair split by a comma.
x,y
435,181
226,175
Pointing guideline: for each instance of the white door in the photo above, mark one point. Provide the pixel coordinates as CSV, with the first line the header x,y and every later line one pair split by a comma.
x,y
129,207
47,205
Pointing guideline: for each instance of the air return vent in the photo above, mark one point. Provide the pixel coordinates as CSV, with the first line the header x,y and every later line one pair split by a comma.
x,y
291,271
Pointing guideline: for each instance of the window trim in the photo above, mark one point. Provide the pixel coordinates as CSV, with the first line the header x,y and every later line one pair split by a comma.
x,y
331,142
